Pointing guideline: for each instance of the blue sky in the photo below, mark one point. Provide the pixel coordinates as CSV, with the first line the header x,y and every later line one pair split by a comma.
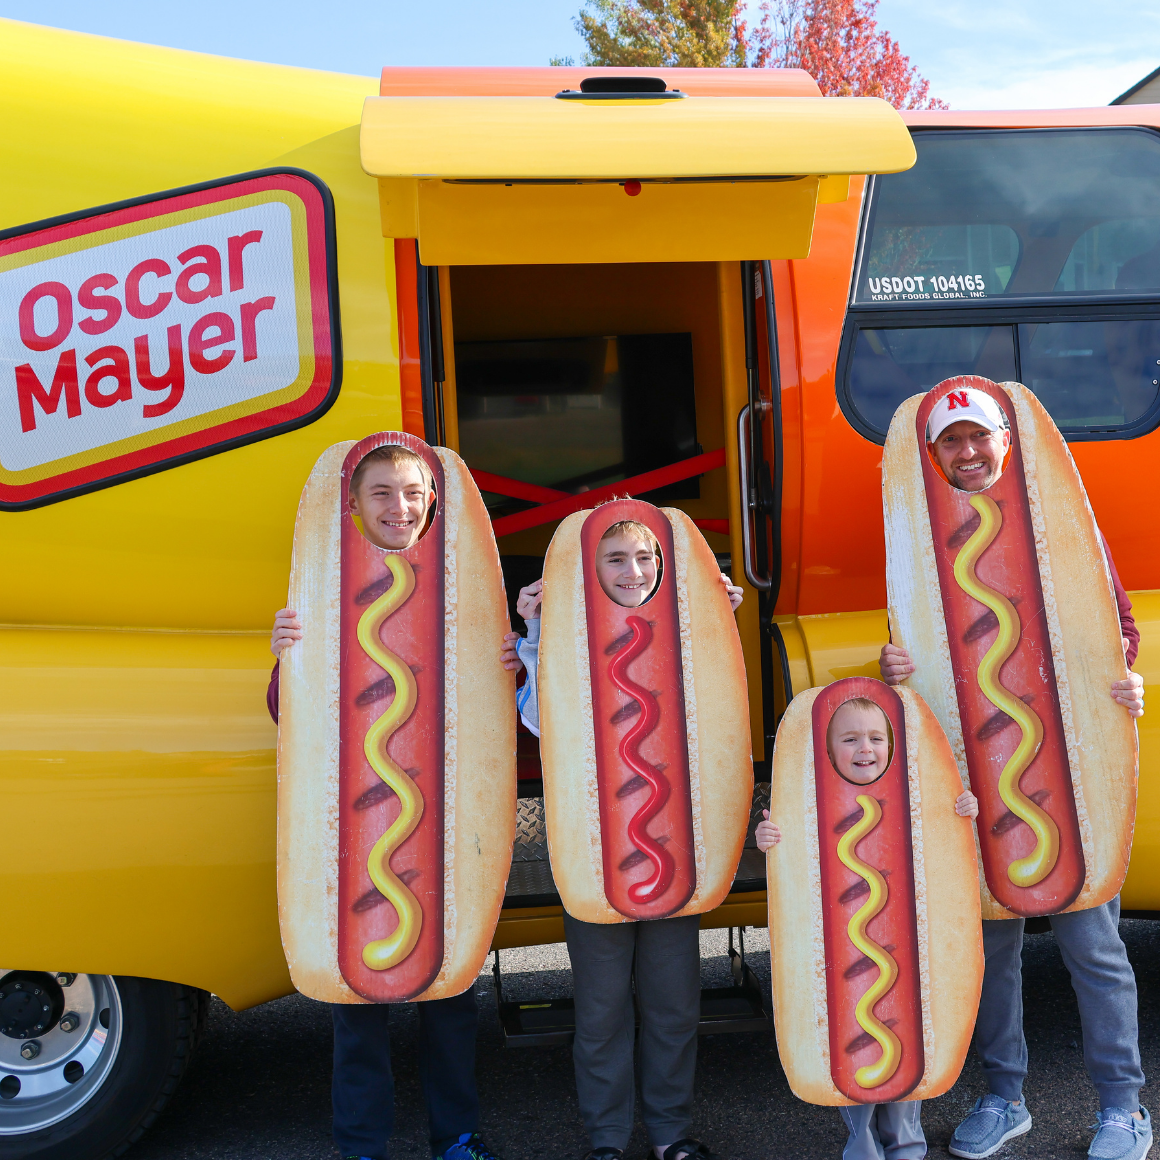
x,y
976,53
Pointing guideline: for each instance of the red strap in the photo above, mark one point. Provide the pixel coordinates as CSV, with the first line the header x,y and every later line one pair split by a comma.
x,y
515,488
557,509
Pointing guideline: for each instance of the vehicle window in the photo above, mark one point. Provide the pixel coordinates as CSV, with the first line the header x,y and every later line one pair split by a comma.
x,y
1118,255
1003,214
577,413
890,365
1092,374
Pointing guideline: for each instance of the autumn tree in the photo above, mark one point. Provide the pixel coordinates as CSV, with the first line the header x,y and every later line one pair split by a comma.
x,y
663,33
837,42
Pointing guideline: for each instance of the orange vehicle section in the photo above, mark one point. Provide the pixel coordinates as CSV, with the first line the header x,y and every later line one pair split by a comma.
x,y
833,548
538,82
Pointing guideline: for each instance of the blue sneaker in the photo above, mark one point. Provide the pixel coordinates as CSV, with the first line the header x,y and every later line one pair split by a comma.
x,y
469,1146
991,1123
1120,1136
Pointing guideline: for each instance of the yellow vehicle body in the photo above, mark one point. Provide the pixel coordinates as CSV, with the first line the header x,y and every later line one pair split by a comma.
x,y
137,770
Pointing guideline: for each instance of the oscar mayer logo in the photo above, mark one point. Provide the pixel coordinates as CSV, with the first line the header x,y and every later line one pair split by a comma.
x,y
138,336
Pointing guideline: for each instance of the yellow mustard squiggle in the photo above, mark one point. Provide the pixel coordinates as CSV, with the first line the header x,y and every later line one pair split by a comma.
x,y
390,951
1041,861
872,1075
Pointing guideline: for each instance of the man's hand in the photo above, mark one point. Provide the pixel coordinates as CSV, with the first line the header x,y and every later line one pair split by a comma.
x,y
529,599
507,652
894,663
734,593
287,629
1130,694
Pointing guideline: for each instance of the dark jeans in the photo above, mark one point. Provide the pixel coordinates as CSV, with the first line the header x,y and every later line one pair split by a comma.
x,y
363,1088
1105,987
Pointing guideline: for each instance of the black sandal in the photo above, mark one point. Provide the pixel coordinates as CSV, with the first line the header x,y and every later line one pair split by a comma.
x,y
693,1150
605,1154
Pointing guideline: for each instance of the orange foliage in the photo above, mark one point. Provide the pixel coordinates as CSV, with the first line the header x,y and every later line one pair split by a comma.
x,y
836,41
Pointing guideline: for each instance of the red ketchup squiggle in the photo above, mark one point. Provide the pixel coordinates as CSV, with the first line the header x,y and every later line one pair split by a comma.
x,y
663,866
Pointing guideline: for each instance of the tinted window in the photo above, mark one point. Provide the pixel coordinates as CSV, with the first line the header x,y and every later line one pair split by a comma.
x,y
1092,374
1089,375
1016,213
891,365
576,413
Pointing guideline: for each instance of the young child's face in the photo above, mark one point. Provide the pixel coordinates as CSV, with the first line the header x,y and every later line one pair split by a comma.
x,y
859,743
392,502
626,567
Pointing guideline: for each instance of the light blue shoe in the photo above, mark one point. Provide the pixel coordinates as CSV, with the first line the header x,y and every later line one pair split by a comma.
x,y
1120,1136
991,1123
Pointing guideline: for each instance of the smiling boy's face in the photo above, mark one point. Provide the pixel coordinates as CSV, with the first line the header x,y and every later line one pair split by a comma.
x,y
859,743
626,567
392,501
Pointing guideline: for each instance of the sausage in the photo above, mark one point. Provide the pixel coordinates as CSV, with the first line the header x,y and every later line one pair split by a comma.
x,y
1004,599
397,779
869,917
876,946
648,774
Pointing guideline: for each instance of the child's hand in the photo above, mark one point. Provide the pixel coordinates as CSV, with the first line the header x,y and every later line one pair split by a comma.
x,y
507,652
528,601
287,629
895,664
734,593
768,835
967,805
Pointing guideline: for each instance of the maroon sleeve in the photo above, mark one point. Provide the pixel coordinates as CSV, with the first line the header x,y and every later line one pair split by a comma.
x,y
272,692
1127,620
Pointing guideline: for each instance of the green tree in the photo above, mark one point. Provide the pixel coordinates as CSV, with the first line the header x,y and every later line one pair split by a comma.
x,y
837,42
663,33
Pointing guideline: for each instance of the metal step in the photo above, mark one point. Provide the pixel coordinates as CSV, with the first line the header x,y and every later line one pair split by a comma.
x,y
548,1022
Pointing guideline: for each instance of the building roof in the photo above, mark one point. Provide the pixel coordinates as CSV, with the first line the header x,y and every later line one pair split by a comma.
x,y
1143,92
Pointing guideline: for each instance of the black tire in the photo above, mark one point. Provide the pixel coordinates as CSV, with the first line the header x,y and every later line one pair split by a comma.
x,y
160,1026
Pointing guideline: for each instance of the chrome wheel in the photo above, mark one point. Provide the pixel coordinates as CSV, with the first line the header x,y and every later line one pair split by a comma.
x,y
59,1038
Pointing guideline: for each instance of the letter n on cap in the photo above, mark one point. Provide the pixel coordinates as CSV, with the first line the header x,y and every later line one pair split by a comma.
x,y
957,399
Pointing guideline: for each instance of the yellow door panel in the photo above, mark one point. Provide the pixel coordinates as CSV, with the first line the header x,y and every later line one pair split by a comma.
x,y
141,768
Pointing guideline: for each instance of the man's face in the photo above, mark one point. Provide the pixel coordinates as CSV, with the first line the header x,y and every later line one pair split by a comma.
x,y
971,456
392,502
626,567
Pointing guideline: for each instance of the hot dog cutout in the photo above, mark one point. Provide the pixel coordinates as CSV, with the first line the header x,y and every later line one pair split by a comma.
x,y
1004,600
396,746
648,773
873,912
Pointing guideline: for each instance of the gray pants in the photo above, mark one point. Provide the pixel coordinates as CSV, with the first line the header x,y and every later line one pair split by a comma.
x,y
884,1131
1104,985
665,957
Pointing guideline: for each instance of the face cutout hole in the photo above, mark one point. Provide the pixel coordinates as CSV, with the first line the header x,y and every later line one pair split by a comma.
x,y
859,741
392,497
970,453
628,564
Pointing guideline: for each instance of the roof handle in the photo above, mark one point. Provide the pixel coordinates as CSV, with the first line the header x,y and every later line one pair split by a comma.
x,y
621,89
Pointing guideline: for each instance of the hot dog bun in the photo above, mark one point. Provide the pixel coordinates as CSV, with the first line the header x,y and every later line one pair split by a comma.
x,y
1096,753
940,974
702,747
464,706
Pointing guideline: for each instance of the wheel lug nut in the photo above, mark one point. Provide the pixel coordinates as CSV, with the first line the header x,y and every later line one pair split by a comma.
x,y
70,1022
30,1050
65,979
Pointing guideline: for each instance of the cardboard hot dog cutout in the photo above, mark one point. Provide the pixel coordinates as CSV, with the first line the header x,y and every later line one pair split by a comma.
x,y
396,744
1004,601
873,912
648,772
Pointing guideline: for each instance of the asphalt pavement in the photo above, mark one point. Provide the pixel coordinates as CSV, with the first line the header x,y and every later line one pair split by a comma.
x,y
258,1088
